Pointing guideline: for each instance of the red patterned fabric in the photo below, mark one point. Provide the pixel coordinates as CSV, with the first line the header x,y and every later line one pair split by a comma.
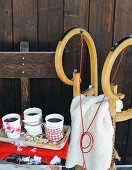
x,y
7,149
53,133
54,137
53,130
9,129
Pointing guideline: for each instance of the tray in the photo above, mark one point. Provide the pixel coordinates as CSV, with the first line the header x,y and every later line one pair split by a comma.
x,y
28,142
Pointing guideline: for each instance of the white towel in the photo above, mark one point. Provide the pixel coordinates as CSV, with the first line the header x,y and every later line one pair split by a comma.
x,y
102,130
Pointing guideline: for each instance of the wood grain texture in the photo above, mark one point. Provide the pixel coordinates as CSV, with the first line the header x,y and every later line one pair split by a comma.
x,y
76,14
124,115
5,25
25,93
25,23
50,24
25,82
10,96
30,65
101,28
9,91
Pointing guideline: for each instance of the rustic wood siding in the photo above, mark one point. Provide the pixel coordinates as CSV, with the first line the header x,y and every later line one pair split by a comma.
x,y
43,23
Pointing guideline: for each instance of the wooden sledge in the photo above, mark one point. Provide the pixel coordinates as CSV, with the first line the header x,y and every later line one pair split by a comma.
x,y
75,81
109,90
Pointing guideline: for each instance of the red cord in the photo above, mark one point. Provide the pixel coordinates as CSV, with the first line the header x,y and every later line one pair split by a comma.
x,y
117,68
88,148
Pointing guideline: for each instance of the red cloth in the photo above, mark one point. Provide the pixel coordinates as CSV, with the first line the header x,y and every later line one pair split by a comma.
x,y
7,149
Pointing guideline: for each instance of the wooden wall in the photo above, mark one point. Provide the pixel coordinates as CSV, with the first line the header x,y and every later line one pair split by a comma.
x,y
43,23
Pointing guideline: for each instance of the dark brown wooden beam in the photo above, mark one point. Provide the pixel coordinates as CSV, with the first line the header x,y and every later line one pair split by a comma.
x,y
27,65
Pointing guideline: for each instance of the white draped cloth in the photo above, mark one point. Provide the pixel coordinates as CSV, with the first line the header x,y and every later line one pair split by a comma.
x,y
99,158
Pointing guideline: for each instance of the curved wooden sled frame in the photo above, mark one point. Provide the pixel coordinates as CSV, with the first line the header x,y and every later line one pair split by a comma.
x,y
111,90
75,82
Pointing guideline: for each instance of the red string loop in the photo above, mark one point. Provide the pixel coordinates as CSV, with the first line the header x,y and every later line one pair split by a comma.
x,y
87,148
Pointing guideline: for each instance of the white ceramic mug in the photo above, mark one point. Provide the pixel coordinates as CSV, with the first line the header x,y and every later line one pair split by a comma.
x,y
32,115
12,125
32,120
54,120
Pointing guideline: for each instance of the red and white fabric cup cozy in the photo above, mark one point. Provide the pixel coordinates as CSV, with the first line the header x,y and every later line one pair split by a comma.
x,y
54,127
12,125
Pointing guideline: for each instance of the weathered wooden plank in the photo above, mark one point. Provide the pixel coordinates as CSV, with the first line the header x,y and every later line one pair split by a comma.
x,y
9,91
32,65
50,24
101,29
76,14
25,93
10,96
25,82
25,23
122,28
5,25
